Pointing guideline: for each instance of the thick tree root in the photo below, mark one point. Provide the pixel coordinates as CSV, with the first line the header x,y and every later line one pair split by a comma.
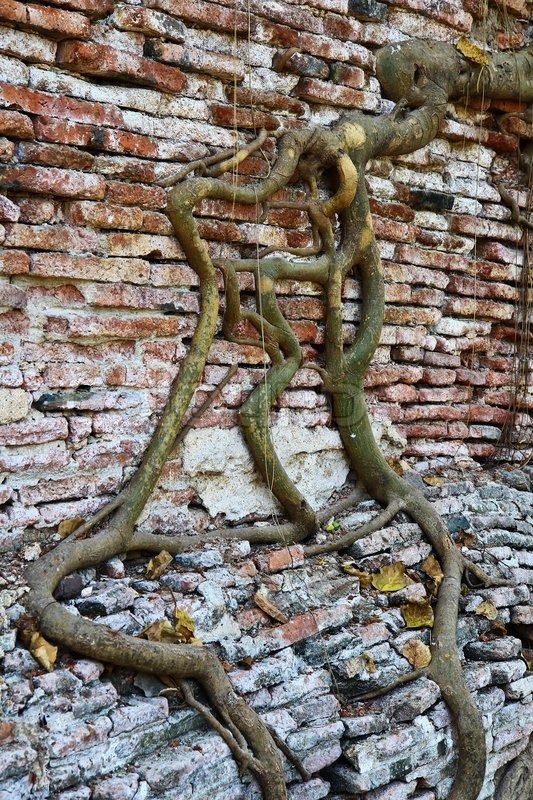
x,y
423,77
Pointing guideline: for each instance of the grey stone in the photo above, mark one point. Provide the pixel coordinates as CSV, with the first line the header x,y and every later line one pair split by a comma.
x,y
108,600
500,649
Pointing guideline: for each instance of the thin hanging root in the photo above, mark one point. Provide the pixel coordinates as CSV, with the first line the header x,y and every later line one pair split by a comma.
x,y
380,521
289,754
409,677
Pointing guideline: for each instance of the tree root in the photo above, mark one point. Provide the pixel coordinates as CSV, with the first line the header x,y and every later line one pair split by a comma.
x,y
423,76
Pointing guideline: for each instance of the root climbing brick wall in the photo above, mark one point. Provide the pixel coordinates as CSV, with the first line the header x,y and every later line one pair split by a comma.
x,y
98,100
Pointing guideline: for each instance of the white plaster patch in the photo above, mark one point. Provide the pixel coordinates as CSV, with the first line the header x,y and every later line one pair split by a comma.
x,y
222,472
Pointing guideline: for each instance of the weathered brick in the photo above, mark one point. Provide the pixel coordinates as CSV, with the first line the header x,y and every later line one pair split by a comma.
x,y
148,21
53,155
17,125
90,268
60,106
14,262
205,14
54,22
222,66
300,64
104,215
97,59
49,180
316,91
230,117
27,46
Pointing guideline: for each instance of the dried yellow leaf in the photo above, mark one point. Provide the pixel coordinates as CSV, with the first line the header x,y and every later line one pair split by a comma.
x,y
370,664
472,52
365,578
487,609
433,480
183,625
417,653
391,578
399,466
68,526
417,614
157,565
42,651
269,608
431,567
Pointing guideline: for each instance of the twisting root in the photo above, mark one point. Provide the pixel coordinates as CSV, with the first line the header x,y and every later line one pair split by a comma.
x,y
423,76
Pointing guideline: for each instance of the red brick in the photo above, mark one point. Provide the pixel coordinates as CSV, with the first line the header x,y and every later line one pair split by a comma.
x,y
14,262
123,327
36,210
49,180
98,59
149,22
229,117
104,215
301,627
208,15
316,91
9,211
192,59
93,8
475,226
484,309
54,155
51,237
34,431
278,560
265,99
59,265
17,125
27,46
60,106
144,196
54,22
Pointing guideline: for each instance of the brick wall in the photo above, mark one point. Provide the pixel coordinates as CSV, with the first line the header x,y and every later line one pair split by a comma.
x,y
100,99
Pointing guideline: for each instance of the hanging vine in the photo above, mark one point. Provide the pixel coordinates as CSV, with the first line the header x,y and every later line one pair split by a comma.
x,y
422,77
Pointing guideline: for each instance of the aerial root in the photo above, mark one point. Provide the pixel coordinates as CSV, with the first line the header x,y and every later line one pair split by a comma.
x,y
221,162
289,754
379,521
409,677
483,577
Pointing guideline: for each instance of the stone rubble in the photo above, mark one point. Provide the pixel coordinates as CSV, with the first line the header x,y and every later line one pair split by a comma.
x,y
87,732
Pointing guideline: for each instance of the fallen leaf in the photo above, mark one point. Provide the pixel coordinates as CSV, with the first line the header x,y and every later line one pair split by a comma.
x,y
158,565
433,480
417,614
417,653
6,732
269,608
498,628
365,578
391,578
42,651
431,567
370,664
465,539
399,466
184,626
472,51
487,609
332,525
68,526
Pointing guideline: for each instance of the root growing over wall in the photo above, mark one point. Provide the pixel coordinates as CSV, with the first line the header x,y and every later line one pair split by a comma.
x,y
422,77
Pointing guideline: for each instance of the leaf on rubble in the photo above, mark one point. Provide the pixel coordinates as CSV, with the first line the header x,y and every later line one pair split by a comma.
x,y
6,732
332,525
498,628
365,578
269,608
465,539
417,653
68,526
158,565
417,614
184,626
433,480
399,466
42,651
472,52
370,664
391,578
431,567
487,609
